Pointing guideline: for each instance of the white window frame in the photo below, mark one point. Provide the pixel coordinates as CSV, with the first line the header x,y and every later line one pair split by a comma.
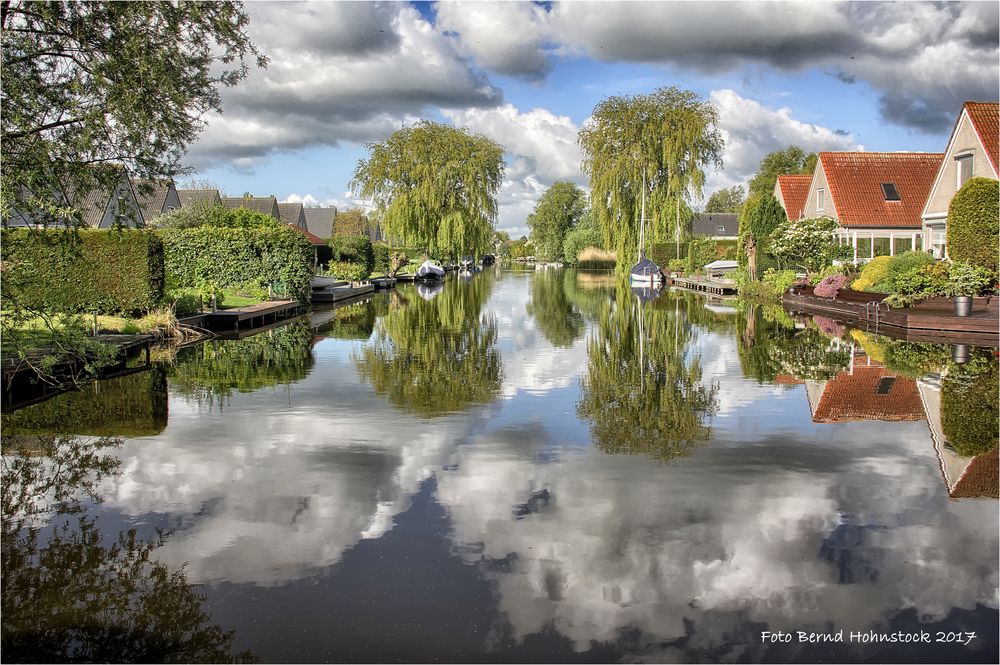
x,y
959,159
820,199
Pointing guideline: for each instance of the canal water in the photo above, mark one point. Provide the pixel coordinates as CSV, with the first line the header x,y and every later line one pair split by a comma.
x,y
518,466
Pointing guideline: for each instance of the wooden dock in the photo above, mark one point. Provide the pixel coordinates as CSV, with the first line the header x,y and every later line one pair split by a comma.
x,y
405,277
251,316
933,320
383,283
704,285
339,293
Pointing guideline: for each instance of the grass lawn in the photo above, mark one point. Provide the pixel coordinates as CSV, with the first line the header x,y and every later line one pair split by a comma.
x,y
234,299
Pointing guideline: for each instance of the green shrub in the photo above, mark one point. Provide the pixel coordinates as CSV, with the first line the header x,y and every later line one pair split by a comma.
x,y
353,249
248,258
701,250
969,407
974,223
348,270
779,280
105,271
381,253
677,265
220,216
577,240
965,279
873,273
185,301
899,265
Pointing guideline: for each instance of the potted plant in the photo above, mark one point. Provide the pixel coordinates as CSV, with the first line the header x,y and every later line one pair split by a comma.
x,y
965,281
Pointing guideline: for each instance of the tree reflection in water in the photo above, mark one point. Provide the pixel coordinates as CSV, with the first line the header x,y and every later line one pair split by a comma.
x,y
436,356
558,320
72,593
769,344
642,395
210,373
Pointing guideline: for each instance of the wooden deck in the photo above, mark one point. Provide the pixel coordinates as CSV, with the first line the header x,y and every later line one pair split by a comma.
x,y
383,283
704,285
339,293
930,321
252,316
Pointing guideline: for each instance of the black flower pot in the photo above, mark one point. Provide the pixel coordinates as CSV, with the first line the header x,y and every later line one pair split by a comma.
x,y
963,305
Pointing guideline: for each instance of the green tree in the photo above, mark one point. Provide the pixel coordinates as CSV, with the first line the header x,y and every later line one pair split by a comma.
x,y
350,223
974,223
669,136
89,86
726,200
435,187
807,242
584,234
791,160
559,210
761,215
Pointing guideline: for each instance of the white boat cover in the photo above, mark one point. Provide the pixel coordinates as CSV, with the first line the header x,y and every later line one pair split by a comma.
x,y
428,268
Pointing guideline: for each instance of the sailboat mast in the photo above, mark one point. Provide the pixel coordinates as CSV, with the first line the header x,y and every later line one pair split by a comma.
x,y
642,220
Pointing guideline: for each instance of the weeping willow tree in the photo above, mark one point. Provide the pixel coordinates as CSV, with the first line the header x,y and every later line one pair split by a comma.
x,y
434,186
669,136
437,356
642,395
558,319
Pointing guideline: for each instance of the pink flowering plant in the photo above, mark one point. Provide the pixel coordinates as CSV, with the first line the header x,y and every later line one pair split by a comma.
x,y
831,285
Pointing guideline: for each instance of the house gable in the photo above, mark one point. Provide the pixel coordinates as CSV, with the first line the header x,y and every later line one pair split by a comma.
x,y
192,197
292,213
162,198
819,182
975,133
792,192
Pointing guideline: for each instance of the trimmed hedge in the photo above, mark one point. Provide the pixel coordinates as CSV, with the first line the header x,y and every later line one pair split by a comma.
x,y
106,271
974,223
246,257
353,249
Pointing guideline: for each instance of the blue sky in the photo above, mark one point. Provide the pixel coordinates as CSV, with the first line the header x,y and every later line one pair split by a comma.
x,y
825,76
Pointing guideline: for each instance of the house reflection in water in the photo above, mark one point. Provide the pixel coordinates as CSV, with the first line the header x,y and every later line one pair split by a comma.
x,y
965,477
864,391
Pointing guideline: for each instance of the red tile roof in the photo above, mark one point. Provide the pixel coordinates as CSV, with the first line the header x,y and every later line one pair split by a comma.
x,y
855,180
984,118
854,396
314,239
794,191
980,479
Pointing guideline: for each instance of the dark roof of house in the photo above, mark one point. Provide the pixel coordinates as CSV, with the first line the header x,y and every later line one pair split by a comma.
x,y
265,204
869,393
191,197
716,224
984,117
794,192
319,221
151,204
855,180
291,213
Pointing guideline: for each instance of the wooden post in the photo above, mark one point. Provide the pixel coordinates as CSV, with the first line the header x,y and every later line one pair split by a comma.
x,y
95,324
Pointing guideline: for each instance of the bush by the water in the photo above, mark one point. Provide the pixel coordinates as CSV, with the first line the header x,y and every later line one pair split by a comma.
x,y
900,265
830,286
354,249
250,258
974,223
353,272
579,239
105,271
874,272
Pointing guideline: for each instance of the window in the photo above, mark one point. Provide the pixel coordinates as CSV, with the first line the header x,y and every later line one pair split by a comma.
x,y
880,246
889,191
820,195
864,248
885,385
901,244
964,168
721,230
